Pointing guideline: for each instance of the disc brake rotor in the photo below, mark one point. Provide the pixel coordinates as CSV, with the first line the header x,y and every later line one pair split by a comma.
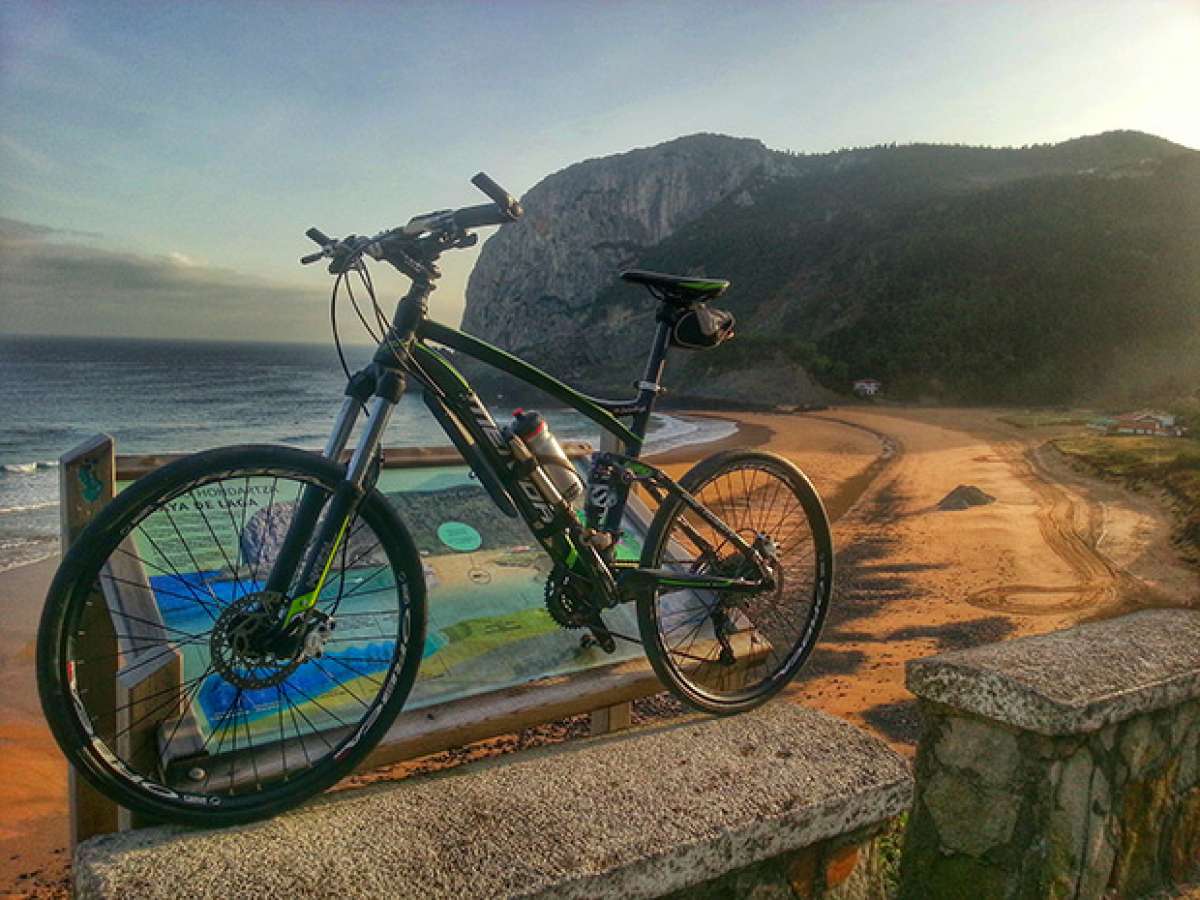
x,y
239,645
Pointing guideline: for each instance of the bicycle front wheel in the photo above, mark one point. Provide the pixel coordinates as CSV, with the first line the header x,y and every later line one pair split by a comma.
x,y
157,668
725,652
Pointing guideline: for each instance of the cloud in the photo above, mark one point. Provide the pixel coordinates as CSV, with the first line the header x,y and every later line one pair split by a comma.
x,y
182,259
27,155
54,281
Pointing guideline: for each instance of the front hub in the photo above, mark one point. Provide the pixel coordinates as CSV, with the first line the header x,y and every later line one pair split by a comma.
x,y
244,646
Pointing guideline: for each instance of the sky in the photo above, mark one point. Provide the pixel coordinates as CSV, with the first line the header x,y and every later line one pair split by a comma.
x,y
159,162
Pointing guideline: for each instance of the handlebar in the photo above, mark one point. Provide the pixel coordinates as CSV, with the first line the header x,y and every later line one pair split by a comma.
x,y
478,216
501,197
442,230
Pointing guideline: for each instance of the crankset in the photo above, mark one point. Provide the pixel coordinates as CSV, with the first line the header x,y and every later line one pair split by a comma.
x,y
566,598
569,601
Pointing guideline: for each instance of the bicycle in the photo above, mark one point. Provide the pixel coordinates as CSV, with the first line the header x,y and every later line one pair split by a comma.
x,y
236,692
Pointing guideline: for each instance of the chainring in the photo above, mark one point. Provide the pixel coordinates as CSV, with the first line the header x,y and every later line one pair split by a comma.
x,y
566,598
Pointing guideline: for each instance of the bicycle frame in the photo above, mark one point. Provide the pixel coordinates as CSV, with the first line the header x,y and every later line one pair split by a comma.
x,y
509,473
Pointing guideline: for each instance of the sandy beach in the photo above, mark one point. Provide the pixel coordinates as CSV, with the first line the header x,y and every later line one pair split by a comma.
x,y
33,775
1055,547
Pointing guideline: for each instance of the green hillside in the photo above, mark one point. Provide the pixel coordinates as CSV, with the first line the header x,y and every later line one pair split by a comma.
x,y
1037,275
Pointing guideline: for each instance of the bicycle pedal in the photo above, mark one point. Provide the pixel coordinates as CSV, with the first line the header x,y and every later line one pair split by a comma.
x,y
599,637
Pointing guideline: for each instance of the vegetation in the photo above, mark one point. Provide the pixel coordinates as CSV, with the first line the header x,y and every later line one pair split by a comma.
x,y
1048,275
1171,464
891,848
1047,418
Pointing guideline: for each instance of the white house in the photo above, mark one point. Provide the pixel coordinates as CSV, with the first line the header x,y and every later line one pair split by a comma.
x,y
867,387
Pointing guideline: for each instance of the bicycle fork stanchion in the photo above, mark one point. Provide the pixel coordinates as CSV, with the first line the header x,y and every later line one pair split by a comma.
x,y
387,388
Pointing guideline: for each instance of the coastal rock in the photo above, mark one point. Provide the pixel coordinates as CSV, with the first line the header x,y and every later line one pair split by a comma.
x,y
826,268
531,289
964,497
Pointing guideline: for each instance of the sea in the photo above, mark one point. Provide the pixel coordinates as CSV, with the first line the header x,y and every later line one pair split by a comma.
x,y
170,396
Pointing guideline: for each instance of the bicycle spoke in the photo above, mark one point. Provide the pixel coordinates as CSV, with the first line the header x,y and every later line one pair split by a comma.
x,y
191,556
188,700
174,574
269,516
766,631
345,689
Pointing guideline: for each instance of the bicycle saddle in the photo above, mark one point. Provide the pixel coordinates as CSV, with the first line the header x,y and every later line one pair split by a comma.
x,y
683,289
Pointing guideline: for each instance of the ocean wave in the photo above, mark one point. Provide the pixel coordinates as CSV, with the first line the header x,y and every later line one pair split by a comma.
x,y
23,552
27,507
28,468
676,431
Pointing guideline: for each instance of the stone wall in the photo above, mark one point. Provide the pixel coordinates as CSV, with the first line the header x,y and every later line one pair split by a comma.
x,y
854,866
779,802
1059,766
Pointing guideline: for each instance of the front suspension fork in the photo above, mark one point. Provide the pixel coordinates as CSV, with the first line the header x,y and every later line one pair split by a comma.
x,y
320,524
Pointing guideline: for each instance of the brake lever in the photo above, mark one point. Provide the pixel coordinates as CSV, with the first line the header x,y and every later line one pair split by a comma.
x,y
434,221
344,254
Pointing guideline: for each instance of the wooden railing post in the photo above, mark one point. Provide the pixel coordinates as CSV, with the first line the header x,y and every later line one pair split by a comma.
x,y
611,718
87,479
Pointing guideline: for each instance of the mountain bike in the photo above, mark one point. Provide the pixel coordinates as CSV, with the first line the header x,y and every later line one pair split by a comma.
x,y
268,603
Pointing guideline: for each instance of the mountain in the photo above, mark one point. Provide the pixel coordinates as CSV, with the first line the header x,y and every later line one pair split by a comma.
x,y
1045,274
540,276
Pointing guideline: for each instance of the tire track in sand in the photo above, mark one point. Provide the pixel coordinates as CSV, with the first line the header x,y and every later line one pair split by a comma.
x,y
1072,529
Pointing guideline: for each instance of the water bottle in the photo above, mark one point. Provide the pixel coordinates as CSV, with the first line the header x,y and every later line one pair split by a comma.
x,y
531,428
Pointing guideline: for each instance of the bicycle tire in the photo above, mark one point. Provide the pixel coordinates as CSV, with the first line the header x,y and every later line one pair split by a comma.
x,y
78,730
803,525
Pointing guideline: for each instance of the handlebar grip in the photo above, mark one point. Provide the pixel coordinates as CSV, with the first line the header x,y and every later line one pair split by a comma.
x,y
478,216
311,258
318,236
505,200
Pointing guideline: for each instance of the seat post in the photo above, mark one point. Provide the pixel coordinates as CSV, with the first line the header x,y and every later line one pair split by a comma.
x,y
649,387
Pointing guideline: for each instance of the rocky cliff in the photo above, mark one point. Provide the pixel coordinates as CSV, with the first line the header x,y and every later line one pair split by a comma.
x,y
532,289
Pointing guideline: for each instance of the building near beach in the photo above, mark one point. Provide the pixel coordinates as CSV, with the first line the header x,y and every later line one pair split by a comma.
x,y
867,387
1143,422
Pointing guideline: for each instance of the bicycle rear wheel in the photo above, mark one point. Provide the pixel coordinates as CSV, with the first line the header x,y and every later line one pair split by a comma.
x,y
725,652
155,669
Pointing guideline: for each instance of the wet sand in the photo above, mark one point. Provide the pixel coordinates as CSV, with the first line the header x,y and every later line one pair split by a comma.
x,y
33,775
1055,548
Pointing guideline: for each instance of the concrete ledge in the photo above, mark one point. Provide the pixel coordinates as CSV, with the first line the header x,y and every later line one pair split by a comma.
x,y
638,814
1072,681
